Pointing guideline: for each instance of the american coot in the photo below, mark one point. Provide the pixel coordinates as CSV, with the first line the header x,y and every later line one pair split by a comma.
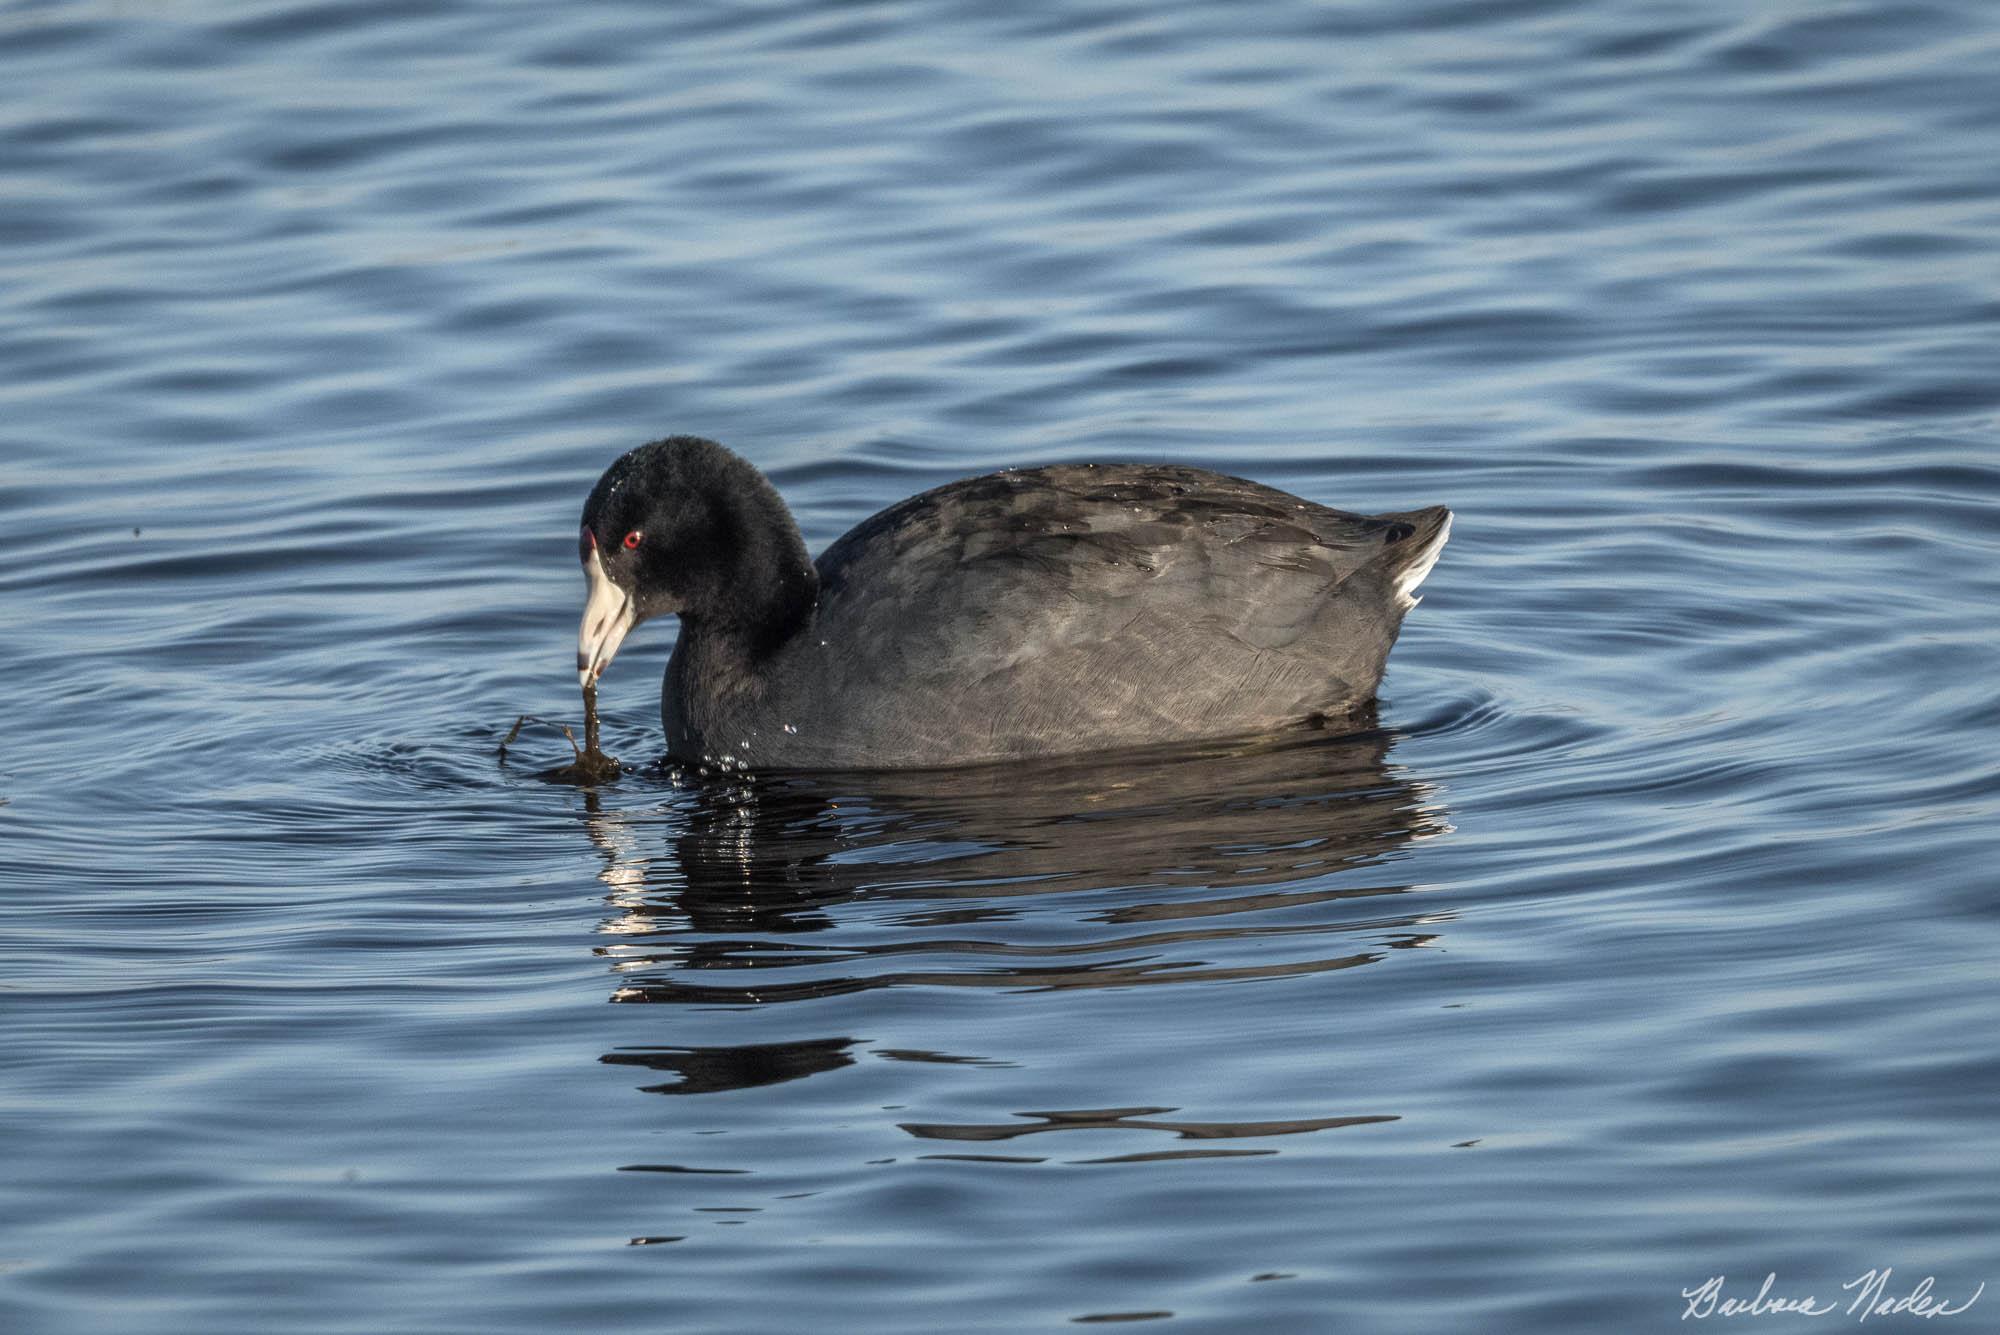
x,y
1031,612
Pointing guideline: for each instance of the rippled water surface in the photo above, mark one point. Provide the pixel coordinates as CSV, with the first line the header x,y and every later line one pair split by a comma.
x,y
1649,937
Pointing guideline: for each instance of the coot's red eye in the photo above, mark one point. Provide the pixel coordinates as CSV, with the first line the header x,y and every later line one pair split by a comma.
x,y
633,539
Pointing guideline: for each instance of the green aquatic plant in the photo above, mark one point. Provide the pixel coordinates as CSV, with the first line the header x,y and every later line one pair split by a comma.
x,y
591,765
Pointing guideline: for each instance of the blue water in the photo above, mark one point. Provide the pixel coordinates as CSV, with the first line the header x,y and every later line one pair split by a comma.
x,y
1650,938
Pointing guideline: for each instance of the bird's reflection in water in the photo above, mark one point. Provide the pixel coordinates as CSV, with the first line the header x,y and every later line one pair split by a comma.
x,y
711,1070
1217,863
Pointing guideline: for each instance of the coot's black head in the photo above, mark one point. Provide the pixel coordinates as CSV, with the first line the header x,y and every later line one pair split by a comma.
x,y
682,525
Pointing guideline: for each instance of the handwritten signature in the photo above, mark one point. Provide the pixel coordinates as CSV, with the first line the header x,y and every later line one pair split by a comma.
x,y
1871,1298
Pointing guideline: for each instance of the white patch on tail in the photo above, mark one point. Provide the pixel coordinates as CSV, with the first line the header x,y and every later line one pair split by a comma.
x,y
1413,574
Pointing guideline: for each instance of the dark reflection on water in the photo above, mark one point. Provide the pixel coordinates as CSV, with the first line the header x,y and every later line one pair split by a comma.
x,y
1215,865
1144,1119
707,1070
1130,1119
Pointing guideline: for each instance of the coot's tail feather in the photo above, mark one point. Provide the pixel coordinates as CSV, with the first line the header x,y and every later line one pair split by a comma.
x,y
1411,556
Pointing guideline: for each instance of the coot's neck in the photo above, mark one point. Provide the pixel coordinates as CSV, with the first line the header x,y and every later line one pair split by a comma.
x,y
760,591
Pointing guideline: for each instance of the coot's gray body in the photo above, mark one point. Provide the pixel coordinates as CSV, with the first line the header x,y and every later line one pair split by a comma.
x,y
1032,612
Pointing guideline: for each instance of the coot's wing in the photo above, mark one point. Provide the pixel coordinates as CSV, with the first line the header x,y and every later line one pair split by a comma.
x,y
1128,602
1096,534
